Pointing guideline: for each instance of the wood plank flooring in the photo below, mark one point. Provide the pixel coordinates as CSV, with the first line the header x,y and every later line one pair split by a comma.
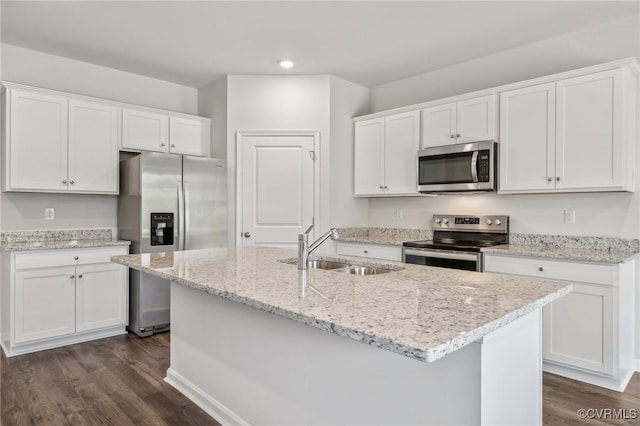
x,y
114,381
118,381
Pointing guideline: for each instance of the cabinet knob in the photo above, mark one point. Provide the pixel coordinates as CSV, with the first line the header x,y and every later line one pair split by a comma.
x,y
75,258
453,136
173,146
541,269
366,251
72,276
458,135
64,181
72,182
549,179
386,187
80,276
381,187
247,235
162,144
558,178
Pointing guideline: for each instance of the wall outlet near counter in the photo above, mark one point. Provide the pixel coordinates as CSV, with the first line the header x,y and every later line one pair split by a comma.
x,y
569,216
49,213
399,214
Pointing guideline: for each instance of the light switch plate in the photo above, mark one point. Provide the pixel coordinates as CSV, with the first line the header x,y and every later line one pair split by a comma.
x,y
49,213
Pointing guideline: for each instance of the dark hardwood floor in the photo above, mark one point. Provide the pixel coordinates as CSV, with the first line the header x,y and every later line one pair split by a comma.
x,y
118,381
114,381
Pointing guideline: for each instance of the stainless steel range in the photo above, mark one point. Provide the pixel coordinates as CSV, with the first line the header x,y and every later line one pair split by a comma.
x,y
457,241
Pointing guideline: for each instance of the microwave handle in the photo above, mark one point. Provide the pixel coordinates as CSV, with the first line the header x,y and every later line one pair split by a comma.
x,y
474,166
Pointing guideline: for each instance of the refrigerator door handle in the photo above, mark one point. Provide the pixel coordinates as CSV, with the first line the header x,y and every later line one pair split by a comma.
x,y
186,212
180,215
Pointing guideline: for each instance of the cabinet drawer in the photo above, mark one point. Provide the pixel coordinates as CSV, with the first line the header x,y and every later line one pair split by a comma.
x,y
595,273
375,251
64,257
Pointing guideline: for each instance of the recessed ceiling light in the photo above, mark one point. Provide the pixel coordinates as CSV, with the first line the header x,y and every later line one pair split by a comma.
x,y
285,63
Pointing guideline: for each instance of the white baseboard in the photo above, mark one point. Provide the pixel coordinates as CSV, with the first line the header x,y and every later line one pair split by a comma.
x,y
210,405
617,383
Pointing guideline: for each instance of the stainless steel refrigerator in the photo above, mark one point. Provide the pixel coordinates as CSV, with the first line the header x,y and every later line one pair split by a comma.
x,y
168,202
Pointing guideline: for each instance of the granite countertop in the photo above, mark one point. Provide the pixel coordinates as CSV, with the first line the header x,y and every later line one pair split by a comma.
x,y
386,236
562,253
421,312
58,239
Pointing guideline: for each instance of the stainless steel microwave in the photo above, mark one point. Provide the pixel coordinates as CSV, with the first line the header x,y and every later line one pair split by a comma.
x,y
469,167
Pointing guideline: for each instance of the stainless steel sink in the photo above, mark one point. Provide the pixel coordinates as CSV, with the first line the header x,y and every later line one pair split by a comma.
x,y
326,264
363,270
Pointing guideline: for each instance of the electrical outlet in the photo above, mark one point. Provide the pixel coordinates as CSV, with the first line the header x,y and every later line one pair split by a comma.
x,y
569,216
399,214
49,213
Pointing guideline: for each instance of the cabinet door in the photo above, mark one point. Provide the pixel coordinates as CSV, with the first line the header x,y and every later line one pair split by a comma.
x,y
578,329
588,133
476,119
37,147
376,251
145,130
101,296
93,147
527,139
44,303
369,157
439,125
401,142
188,136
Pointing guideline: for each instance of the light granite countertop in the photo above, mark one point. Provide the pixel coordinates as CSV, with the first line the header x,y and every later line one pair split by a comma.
x,y
52,239
562,253
421,312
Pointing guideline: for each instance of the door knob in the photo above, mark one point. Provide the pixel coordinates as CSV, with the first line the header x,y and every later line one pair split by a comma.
x,y
247,234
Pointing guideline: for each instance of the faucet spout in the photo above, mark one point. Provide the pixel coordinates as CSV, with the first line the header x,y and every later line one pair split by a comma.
x,y
304,248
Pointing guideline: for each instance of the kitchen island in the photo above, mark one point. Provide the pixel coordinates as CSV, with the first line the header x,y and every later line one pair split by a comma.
x,y
255,340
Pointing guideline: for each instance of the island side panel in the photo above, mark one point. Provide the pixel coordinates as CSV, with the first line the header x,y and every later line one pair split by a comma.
x,y
242,365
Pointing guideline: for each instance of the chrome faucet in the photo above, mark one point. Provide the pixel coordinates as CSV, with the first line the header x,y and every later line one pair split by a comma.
x,y
304,248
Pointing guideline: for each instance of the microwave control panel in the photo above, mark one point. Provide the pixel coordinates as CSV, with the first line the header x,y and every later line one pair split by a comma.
x,y
483,165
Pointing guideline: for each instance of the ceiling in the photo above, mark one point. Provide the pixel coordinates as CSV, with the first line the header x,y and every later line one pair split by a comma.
x,y
368,42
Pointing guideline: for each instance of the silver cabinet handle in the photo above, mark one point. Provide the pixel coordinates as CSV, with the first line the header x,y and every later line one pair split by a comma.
x,y
541,269
72,276
247,234
75,258
64,181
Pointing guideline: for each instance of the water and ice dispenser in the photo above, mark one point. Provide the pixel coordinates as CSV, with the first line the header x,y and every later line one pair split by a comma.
x,y
161,229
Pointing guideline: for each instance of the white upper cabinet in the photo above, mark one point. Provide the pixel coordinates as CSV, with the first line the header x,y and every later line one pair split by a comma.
x,y
93,147
385,155
527,138
189,136
35,148
58,144
369,157
148,131
470,120
573,135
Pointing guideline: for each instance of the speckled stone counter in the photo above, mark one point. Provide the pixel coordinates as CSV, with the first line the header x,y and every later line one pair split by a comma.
x,y
58,239
420,312
387,236
561,247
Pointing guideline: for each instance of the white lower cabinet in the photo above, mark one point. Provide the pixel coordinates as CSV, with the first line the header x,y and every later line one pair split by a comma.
x,y
587,334
51,298
374,251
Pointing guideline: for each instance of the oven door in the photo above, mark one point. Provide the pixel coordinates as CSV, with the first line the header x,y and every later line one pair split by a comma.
x,y
465,260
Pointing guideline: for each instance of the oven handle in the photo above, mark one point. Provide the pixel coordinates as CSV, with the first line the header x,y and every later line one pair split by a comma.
x,y
474,166
442,254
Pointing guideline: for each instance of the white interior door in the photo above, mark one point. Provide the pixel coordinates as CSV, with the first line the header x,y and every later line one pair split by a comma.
x,y
276,190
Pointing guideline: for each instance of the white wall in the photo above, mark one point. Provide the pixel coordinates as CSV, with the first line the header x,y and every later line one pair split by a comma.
x,y
212,103
26,211
597,214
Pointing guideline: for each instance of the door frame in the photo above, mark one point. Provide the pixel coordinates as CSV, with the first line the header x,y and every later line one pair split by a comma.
x,y
239,169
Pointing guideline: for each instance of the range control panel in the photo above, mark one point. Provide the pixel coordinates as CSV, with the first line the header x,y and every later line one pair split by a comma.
x,y
482,223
